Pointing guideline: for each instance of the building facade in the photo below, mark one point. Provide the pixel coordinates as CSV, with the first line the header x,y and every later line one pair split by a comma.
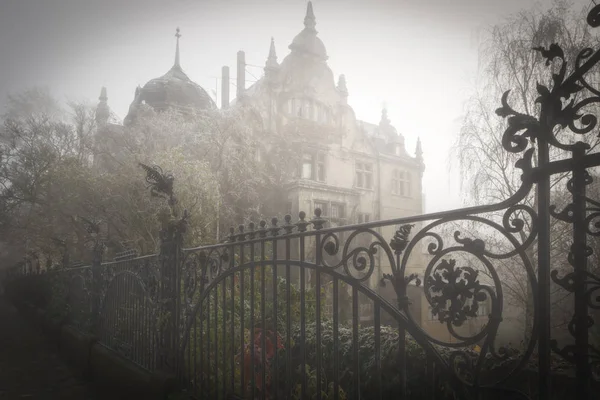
x,y
354,171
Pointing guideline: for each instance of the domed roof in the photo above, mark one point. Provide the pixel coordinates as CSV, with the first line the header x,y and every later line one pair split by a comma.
x,y
307,41
173,89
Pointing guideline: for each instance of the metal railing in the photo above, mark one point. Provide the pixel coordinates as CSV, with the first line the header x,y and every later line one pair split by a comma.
x,y
250,317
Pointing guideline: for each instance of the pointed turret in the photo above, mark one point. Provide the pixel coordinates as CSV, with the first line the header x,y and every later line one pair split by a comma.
x,y
342,88
272,59
385,121
307,42
419,150
102,110
309,20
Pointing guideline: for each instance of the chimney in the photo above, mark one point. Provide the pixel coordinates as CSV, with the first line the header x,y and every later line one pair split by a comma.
x,y
241,73
224,87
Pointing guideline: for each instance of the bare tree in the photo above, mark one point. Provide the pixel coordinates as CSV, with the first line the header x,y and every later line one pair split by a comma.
x,y
508,61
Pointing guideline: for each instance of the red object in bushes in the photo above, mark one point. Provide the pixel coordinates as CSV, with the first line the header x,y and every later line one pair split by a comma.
x,y
270,352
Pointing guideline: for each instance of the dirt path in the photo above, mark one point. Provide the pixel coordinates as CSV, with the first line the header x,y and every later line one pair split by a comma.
x,y
30,368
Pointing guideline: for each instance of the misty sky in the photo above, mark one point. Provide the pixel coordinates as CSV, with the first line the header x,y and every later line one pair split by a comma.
x,y
416,56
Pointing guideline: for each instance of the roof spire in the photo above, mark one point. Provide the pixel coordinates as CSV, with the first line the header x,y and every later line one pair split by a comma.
x,y
177,35
272,59
385,121
309,21
419,150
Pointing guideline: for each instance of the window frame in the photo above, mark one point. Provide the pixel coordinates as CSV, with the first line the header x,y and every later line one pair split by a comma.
x,y
324,208
401,183
318,165
363,218
363,174
308,159
341,209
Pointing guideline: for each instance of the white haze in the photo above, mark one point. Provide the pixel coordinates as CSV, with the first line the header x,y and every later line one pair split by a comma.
x,y
416,57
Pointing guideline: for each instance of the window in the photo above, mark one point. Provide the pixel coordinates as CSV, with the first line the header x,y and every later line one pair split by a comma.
x,y
337,210
288,207
323,206
307,166
404,184
364,175
321,167
401,183
313,166
396,182
363,218
309,109
398,150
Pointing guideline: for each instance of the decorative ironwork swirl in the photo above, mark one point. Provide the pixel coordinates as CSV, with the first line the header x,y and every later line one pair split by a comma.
x,y
159,183
568,104
562,105
455,292
357,262
199,268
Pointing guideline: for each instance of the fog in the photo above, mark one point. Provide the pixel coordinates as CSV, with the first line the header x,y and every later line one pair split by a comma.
x,y
416,58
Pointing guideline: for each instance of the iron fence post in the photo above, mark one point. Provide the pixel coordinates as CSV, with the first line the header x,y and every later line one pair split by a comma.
x,y
544,334
96,284
579,257
169,275
170,257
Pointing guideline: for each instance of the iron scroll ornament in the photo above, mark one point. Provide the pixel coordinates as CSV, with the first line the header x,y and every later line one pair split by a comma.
x,y
159,182
565,106
205,267
447,285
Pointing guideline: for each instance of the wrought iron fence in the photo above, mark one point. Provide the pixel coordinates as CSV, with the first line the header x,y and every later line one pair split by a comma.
x,y
128,317
275,312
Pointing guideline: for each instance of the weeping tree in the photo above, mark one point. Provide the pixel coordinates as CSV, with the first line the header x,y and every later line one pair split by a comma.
x,y
510,59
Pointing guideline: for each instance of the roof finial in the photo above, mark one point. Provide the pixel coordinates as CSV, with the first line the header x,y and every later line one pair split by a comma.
x,y
177,35
310,21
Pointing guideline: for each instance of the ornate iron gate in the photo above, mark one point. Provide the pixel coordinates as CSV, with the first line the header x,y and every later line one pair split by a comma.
x,y
274,312
296,309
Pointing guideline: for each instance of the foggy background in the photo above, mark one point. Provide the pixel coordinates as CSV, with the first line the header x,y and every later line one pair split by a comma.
x,y
418,58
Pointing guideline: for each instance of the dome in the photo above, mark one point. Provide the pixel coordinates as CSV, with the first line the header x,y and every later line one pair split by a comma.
x,y
174,89
307,41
